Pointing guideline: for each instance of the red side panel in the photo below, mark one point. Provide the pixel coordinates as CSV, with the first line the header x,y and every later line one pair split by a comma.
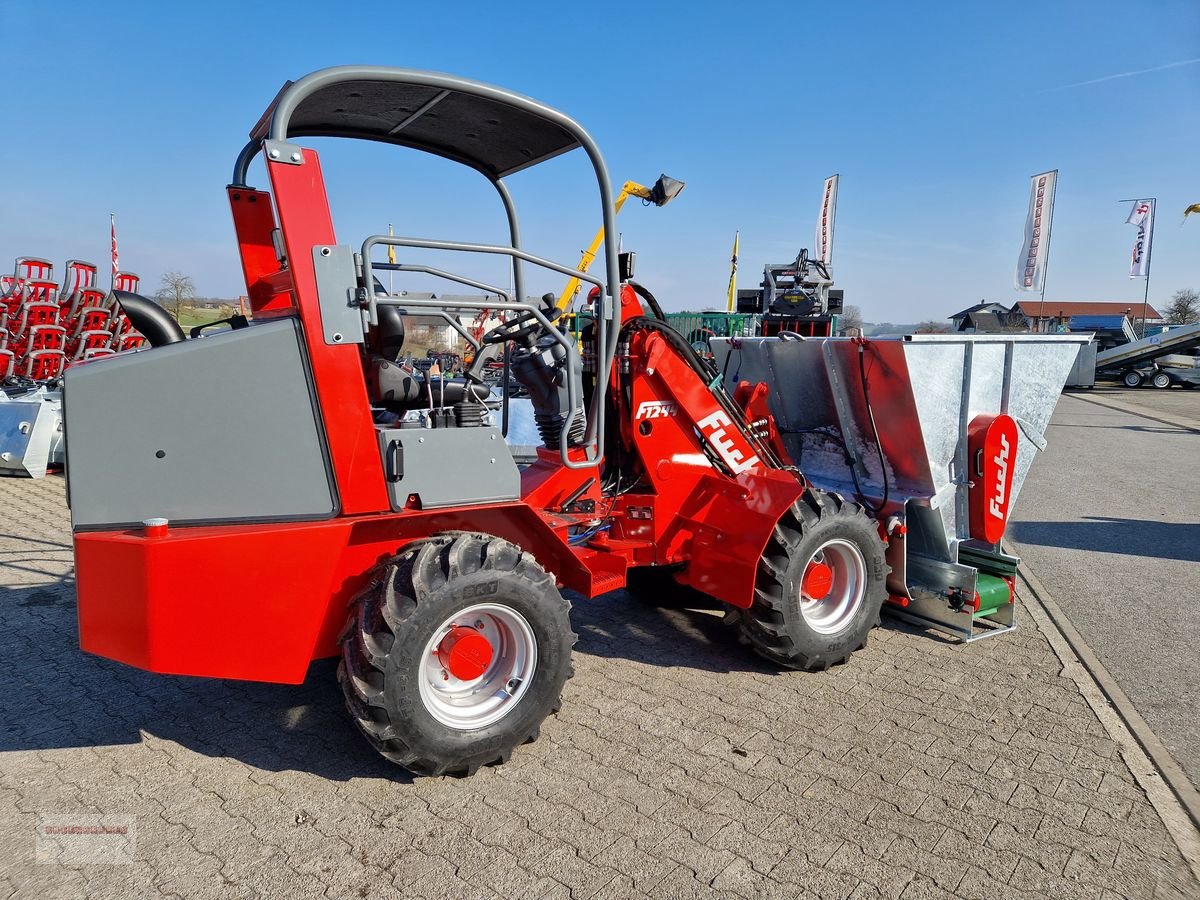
x,y
992,443
269,289
259,602
337,368
731,523
230,603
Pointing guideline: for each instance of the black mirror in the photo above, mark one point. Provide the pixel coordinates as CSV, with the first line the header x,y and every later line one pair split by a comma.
x,y
625,265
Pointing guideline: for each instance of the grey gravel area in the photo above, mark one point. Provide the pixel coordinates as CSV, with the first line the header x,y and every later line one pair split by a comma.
x,y
1109,519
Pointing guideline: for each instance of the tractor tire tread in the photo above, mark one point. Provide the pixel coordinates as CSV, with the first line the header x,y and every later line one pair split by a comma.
x,y
378,614
769,625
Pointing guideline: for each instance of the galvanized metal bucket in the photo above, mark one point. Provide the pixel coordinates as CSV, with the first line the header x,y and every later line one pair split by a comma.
x,y
897,441
31,432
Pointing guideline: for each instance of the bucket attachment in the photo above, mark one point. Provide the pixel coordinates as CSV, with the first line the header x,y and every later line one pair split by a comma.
x,y
31,433
934,434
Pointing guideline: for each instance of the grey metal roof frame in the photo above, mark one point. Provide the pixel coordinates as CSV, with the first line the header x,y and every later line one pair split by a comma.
x,y
275,126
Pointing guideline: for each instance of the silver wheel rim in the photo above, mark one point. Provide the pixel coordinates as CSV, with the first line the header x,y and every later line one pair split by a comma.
x,y
833,612
476,703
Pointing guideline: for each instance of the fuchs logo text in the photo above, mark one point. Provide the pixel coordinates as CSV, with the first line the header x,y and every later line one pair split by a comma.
x,y
713,427
998,502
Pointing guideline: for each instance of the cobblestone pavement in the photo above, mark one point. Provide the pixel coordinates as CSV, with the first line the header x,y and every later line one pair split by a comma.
x,y
679,767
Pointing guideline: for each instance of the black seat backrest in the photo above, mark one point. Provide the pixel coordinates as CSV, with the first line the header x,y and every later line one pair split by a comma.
x,y
387,338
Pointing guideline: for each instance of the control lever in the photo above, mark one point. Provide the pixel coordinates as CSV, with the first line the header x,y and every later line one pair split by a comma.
x,y
486,354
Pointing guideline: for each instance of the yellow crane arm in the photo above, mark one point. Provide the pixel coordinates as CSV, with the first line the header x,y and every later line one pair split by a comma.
x,y
628,189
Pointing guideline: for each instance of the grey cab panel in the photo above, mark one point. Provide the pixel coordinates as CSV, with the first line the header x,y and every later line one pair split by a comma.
x,y
224,428
448,466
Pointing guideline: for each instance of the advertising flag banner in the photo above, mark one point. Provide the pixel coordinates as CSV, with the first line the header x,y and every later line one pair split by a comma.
x,y
1142,215
731,294
116,261
1031,267
824,241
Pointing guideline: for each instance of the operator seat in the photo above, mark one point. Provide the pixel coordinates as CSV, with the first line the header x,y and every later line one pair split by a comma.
x,y
397,388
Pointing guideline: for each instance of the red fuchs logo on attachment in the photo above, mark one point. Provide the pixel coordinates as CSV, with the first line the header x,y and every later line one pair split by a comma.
x,y
992,444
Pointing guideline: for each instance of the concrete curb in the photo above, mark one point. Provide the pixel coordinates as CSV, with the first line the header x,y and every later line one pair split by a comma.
x,y
1169,790
1136,410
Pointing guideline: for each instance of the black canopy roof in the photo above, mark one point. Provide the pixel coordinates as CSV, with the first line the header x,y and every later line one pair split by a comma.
x,y
493,130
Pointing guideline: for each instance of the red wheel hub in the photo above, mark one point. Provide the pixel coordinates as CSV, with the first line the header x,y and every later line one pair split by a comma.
x,y
817,581
465,653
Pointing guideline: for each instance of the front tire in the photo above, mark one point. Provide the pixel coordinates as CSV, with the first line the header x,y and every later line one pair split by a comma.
x,y
821,584
1161,380
1132,378
455,654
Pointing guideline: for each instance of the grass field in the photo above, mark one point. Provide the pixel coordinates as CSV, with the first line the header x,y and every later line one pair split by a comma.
x,y
190,316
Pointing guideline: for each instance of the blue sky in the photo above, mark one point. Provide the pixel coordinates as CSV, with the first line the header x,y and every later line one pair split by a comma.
x,y
935,115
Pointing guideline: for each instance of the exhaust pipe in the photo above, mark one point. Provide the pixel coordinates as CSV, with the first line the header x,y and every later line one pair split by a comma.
x,y
154,322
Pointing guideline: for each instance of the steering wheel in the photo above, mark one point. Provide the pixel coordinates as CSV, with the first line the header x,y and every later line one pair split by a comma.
x,y
520,328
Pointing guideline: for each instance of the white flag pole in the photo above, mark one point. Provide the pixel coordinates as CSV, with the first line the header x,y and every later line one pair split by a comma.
x,y
1035,250
1149,256
1049,234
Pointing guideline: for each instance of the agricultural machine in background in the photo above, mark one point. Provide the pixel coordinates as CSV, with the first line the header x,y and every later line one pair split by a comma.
x,y
44,328
349,507
795,297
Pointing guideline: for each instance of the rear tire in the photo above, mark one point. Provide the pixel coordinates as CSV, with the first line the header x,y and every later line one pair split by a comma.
x,y
1161,380
1132,379
397,685
787,625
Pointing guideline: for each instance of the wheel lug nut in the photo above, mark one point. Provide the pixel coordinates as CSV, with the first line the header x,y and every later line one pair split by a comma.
x,y
479,624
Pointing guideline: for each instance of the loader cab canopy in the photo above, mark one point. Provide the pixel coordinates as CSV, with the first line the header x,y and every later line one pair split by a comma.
x,y
493,133
496,131
489,129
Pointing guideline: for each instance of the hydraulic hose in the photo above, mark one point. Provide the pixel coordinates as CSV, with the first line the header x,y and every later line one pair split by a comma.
x,y
862,374
645,294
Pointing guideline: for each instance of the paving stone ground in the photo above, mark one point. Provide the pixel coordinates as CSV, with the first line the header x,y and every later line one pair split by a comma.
x,y
679,766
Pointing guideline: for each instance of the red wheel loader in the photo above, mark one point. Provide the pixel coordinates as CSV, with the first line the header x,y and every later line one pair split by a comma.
x,y
286,491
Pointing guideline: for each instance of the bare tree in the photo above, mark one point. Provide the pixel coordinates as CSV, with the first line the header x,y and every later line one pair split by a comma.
x,y
850,318
932,326
1184,308
175,292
